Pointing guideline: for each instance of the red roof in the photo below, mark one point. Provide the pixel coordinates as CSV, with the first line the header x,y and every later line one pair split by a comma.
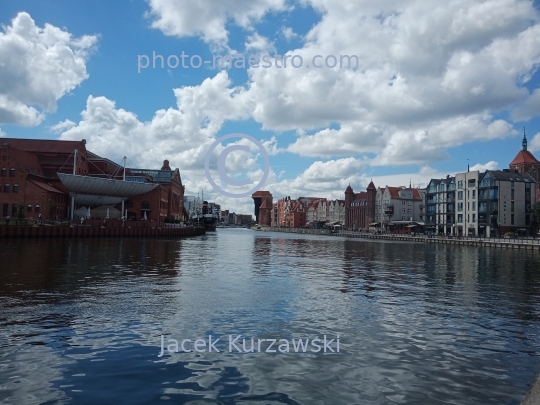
x,y
46,187
371,186
45,145
361,196
524,156
394,192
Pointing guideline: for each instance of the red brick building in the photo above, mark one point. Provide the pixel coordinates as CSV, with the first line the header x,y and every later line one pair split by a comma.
x,y
360,208
263,207
29,180
525,162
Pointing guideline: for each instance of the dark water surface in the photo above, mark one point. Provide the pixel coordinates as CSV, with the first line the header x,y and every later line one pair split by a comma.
x,y
81,320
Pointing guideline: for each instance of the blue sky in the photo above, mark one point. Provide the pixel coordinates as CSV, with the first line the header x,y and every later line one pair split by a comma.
x,y
435,86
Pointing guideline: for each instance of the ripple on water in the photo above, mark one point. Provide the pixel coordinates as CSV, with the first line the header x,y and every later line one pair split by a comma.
x,y
81,320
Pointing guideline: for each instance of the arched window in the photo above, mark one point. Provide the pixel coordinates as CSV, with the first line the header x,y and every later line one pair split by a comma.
x,y
6,188
4,172
12,172
145,205
15,188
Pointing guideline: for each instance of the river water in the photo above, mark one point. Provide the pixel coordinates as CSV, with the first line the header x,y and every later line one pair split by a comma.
x,y
81,321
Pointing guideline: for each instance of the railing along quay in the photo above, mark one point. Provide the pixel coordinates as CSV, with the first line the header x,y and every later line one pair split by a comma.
x,y
505,243
502,242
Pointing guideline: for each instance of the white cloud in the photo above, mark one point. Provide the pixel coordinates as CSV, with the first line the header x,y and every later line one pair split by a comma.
x,y
288,33
39,66
431,76
534,143
259,44
62,126
529,108
208,18
182,134
491,165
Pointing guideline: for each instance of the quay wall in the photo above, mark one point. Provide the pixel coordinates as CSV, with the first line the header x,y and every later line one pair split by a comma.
x,y
503,243
95,232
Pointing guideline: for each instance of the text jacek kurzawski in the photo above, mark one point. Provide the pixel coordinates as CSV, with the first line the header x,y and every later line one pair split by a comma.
x,y
239,344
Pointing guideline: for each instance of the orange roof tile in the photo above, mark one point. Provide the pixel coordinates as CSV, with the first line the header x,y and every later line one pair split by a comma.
x,y
524,156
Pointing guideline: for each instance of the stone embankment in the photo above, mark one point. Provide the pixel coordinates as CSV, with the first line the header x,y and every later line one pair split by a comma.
x,y
9,231
504,243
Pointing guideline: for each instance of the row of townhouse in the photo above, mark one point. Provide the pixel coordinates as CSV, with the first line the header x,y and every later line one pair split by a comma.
x,y
384,208
307,211
231,218
488,203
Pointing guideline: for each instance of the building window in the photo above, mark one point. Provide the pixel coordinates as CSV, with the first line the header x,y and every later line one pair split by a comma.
x,y
474,194
460,206
527,186
474,217
512,194
4,172
410,202
460,218
409,211
527,220
15,188
6,188
29,208
511,184
460,195
12,172
474,205
460,184
511,206
36,209
512,219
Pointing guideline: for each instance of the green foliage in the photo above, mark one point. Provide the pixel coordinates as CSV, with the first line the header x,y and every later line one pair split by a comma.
x,y
20,211
536,212
52,209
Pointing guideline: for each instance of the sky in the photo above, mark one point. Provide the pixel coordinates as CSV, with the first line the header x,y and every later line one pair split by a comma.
x,y
428,88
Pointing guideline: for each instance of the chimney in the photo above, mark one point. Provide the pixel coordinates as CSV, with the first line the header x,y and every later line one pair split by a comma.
x,y
166,165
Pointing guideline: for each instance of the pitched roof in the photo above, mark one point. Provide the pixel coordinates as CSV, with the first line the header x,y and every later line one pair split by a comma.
x,y
46,187
360,196
394,191
503,175
524,156
45,145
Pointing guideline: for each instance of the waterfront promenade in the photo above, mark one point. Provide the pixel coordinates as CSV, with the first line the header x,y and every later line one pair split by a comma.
x,y
504,243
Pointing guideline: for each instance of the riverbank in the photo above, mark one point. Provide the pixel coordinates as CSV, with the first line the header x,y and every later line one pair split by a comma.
x,y
12,231
503,243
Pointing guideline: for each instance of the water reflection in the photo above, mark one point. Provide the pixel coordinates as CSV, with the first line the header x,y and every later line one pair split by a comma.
x,y
81,320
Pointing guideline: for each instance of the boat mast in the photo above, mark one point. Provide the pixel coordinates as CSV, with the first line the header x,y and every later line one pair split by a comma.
x,y
74,172
124,178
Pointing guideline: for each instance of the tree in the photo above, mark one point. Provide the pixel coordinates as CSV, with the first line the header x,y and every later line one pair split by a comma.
x,y
536,216
185,214
52,209
20,212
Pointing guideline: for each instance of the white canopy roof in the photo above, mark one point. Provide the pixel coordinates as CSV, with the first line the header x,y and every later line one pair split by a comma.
x,y
87,188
